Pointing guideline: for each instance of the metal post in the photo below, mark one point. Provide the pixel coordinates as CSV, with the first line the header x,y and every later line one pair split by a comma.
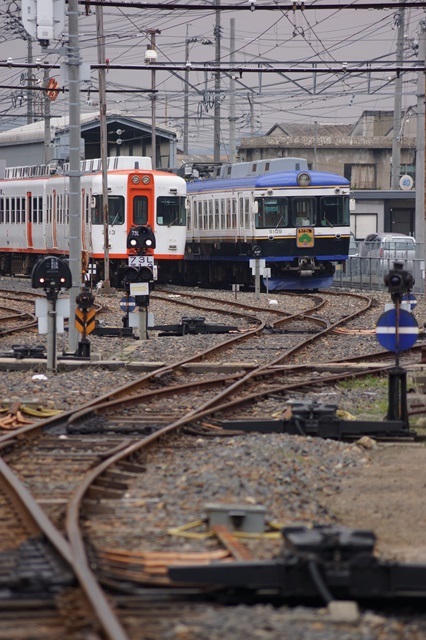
x,y
186,98
30,78
216,141
232,118
396,140
46,111
143,323
257,278
73,61
51,334
103,138
152,32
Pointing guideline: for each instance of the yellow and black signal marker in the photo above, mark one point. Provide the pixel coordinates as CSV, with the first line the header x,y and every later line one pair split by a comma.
x,y
85,320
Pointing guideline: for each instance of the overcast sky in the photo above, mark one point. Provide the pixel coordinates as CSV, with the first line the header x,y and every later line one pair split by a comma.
x,y
327,38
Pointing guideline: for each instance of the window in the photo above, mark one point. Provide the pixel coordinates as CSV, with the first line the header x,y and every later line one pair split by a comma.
x,y
1,210
234,213
171,211
216,215
272,213
140,210
211,224
334,211
361,176
115,210
304,212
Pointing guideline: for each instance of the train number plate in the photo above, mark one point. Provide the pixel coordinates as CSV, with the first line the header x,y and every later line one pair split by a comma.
x,y
141,261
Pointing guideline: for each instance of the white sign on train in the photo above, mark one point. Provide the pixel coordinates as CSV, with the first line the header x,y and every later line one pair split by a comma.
x,y
141,261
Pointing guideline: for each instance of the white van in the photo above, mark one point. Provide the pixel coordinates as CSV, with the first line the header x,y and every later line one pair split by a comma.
x,y
388,248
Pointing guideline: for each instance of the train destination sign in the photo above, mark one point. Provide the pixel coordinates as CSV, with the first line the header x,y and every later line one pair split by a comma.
x,y
305,237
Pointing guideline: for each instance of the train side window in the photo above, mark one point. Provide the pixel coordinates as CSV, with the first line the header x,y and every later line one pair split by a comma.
x,y
140,210
12,210
205,215
211,222
247,213
200,215
7,210
1,210
32,213
228,213
241,209
222,214
234,213
18,210
216,214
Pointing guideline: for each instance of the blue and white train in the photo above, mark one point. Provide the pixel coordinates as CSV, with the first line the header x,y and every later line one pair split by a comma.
x,y
295,219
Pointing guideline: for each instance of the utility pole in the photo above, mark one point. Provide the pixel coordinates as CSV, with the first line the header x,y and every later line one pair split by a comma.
x,y
152,33
74,62
396,140
420,142
232,118
216,136
46,112
186,97
103,138
30,79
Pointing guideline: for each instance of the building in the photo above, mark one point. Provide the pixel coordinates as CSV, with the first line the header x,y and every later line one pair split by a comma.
x,y
36,143
362,152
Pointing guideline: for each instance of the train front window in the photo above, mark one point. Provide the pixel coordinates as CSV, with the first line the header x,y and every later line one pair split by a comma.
x,y
171,211
140,210
334,211
271,213
115,210
304,212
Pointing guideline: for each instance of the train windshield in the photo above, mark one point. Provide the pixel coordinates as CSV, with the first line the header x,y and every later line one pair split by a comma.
x,y
334,211
272,213
140,210
304,212
171,211
115,210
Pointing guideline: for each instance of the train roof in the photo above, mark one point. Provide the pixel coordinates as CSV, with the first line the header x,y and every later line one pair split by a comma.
x,y
271,180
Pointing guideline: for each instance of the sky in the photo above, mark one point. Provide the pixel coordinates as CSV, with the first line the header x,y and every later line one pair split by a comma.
x,y
326,38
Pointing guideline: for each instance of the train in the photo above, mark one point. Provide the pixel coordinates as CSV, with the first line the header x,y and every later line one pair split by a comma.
x,y
293,219
34,216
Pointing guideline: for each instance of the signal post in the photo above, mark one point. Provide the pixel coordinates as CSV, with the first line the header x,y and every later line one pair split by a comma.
x,y
138,277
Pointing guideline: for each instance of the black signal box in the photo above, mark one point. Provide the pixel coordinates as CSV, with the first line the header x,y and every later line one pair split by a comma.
x,y
141,237
51,273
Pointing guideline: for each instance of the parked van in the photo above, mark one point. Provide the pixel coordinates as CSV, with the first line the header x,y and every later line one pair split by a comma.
x,y
388,248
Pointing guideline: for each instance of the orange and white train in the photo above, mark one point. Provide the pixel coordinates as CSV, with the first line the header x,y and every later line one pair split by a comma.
x,y
34,216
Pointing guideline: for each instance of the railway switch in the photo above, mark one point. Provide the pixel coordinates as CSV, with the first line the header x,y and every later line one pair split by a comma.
x,y
141,237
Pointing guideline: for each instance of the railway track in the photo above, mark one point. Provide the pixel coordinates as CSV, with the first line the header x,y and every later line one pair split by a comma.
x,y
82,464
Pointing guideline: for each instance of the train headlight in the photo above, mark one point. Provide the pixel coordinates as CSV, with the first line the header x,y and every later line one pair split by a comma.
x,y
146,179
303,179
136,179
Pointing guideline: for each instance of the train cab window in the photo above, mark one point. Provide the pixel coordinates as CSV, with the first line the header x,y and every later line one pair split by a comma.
x,y
140,210
334,211
115,210
304,212
171,211
272,213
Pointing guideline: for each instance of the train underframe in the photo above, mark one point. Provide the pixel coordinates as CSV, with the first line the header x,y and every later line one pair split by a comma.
x,y
202,266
